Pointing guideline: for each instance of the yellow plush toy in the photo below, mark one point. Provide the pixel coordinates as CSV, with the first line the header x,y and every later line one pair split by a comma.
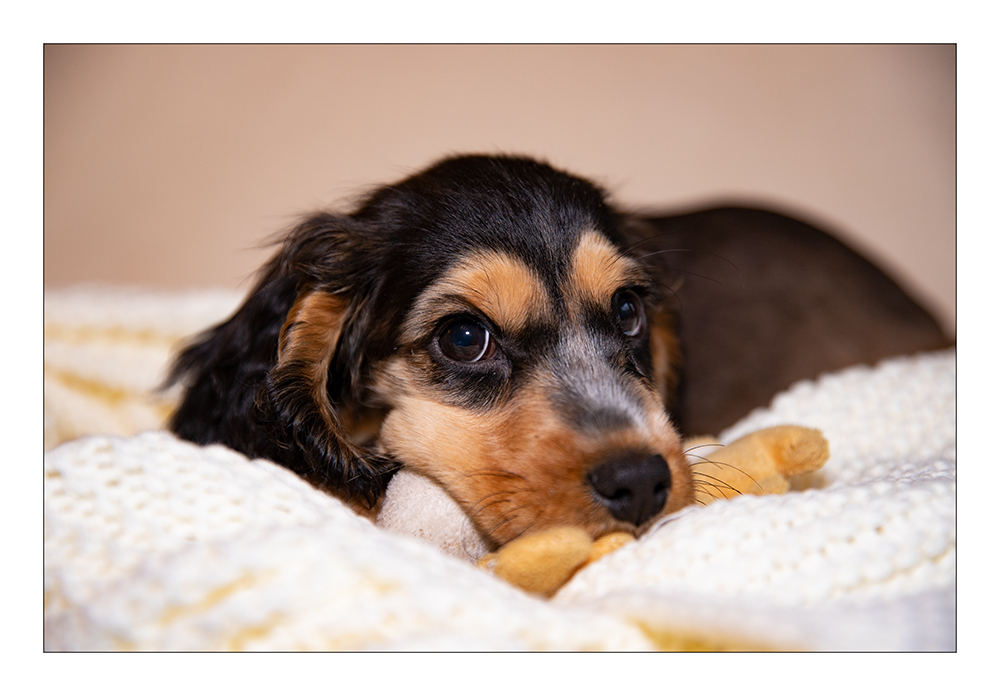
x,y
760,463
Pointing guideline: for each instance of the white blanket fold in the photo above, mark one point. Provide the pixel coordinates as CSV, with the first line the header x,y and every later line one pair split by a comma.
x,y
152,543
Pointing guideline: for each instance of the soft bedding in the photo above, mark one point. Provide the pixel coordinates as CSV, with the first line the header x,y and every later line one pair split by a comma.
x,y
152,543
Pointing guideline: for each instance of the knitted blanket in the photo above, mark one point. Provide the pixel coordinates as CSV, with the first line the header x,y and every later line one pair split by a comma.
x,y
152,543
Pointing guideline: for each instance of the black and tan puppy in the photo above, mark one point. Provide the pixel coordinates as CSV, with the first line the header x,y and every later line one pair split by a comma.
x,y
495,324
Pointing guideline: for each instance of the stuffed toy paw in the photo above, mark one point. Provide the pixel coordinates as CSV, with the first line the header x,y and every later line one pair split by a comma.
x,y
542,562
760,463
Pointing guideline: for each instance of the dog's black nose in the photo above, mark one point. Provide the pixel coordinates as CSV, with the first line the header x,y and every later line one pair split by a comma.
x,y
633,488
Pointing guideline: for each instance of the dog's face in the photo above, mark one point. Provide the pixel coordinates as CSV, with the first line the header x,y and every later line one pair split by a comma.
x,y
532,392
485,324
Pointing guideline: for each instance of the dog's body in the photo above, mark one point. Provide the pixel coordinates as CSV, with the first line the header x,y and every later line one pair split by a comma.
x,y
766,301
496,325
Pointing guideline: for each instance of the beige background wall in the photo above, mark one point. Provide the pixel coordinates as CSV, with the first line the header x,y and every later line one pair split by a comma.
x,y
167,166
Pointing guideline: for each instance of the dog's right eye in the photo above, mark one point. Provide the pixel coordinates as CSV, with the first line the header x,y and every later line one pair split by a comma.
x,y
466,341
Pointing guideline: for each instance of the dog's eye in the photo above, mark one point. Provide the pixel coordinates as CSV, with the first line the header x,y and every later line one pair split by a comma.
x,y
631,318
466,341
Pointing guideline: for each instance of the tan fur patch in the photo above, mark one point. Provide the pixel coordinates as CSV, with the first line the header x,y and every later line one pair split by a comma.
x,y
500,286
665,351
310,336
598,270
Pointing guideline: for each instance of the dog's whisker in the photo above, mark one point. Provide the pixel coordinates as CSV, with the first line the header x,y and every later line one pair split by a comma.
x,y
499,498
696,251
699,460
711,491
492,494
511,518
654,237
730,466
674,269
707,486
673,291
701,445
720,485
500,473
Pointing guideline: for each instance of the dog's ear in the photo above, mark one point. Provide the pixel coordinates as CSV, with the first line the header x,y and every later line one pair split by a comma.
x,y
223,368
308,397
262,382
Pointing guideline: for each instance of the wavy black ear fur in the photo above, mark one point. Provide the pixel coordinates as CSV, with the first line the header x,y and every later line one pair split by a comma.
x,y
265,382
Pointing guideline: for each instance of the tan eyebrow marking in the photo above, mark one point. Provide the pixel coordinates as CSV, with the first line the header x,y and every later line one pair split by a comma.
x,y
500,286
598,270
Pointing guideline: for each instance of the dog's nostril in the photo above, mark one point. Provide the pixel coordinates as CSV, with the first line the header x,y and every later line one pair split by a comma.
x,y
634,488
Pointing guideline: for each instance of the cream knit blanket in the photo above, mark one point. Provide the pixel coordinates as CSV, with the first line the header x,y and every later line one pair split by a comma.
x,y
152,543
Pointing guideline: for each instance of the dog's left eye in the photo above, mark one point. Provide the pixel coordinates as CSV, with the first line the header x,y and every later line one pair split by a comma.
x,y
466,341
628,310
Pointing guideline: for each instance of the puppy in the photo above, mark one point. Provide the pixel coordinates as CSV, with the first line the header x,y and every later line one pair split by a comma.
x,y
497,325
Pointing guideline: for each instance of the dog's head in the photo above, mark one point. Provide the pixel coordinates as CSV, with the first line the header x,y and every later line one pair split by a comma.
x,y
482,322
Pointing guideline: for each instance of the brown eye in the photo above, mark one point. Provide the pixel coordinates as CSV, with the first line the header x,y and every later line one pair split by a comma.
x,y
628,309
466,341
